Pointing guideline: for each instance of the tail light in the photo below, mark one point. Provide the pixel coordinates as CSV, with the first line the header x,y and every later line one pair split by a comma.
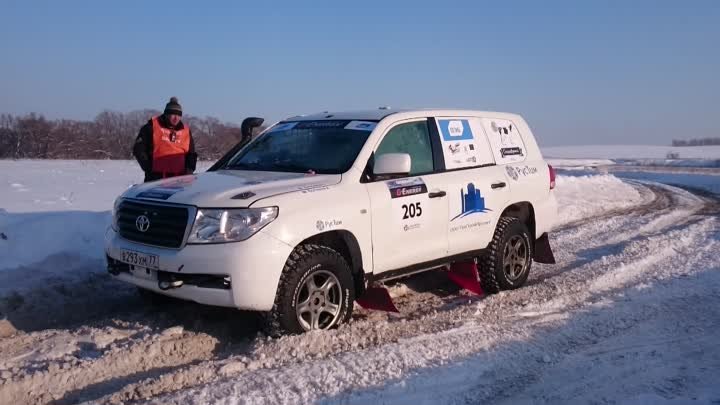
x,y
552,177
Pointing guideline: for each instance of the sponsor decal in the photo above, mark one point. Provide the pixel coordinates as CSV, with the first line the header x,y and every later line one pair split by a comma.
x,y
406,187
471,159
408,227
322,225
472,202
514,151
454,148
361,125
314,189
455,130
517,171
511,172
505,134
408,191
466,227
321,124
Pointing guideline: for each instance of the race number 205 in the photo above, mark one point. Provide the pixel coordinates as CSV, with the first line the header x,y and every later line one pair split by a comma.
x,y
411,210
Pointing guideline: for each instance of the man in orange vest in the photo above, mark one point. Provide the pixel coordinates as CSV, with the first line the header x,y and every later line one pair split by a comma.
x,y
165,147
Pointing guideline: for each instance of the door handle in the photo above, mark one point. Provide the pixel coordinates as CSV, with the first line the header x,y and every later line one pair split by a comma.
x,y
437,194
498,185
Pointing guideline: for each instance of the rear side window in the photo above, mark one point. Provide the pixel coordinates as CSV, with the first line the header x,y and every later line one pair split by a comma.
x,y
412,138
463,143
505,140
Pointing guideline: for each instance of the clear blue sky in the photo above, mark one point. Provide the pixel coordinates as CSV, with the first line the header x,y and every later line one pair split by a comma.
x,y
581,72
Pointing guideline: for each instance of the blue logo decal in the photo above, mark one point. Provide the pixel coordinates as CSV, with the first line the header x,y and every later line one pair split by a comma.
x,y
472,202
455,130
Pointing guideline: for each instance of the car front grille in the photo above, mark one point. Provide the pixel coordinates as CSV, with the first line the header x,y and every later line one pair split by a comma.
x,y
165,225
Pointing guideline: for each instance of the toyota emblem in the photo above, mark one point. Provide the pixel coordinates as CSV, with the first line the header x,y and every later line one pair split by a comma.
x,y
142,223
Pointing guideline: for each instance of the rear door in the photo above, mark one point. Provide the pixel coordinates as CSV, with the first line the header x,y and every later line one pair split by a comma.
x,y
477,188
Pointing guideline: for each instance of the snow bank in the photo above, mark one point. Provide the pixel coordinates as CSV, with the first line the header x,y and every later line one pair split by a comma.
x,y
585,196
51,207
579,163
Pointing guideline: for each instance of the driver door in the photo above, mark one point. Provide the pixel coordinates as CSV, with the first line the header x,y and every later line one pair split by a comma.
x,y
409,214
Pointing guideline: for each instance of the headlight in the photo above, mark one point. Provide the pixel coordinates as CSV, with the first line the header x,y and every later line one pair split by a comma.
x,y
219,226
116,205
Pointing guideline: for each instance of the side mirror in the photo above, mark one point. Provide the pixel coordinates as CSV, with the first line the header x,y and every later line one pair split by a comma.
x,y
392,164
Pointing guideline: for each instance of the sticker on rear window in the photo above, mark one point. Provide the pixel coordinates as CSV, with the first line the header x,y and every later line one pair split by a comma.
x,y
455,130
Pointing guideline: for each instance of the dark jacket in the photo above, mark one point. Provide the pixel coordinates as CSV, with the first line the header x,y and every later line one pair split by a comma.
x,y
143,149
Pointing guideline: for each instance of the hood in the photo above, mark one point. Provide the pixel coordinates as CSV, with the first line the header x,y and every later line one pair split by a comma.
x,y
217,189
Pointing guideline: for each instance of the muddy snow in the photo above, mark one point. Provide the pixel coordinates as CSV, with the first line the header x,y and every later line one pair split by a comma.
x,y
628,315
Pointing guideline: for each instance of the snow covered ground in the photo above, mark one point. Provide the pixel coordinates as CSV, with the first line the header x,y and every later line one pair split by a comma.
x,y
628,315
700,159
631,152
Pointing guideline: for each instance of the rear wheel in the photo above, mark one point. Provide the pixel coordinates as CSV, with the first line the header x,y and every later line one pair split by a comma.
x,y
315,292
507,263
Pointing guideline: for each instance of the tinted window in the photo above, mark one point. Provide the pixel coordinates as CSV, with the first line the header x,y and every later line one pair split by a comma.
x,y
412,138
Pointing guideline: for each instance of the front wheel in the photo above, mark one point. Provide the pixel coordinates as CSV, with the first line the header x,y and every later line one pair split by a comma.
x,y
507,263
315,292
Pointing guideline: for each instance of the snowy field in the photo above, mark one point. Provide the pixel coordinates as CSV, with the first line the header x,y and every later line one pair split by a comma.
x,y
628,315
631,152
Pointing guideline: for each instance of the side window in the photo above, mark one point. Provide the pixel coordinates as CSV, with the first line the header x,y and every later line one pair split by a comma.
x,y
505,140
412,138
463,143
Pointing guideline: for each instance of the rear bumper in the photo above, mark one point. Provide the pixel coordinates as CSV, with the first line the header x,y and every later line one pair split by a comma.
x,y
242,275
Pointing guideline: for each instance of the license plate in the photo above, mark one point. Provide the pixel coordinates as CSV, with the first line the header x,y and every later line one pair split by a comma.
x,y
140,259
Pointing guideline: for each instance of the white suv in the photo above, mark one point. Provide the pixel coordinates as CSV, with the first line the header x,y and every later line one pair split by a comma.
x,y
298,222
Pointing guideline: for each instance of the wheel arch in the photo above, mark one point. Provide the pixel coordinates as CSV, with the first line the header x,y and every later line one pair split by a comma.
x,y
345,243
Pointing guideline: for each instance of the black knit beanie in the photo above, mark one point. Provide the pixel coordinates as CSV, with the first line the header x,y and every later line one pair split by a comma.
x,y
173,107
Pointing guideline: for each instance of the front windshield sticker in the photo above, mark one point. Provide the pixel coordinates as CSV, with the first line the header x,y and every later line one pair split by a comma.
x,y
361,125
283,126
320,124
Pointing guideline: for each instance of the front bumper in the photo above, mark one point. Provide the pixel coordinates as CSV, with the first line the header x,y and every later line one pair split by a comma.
x,y
252,267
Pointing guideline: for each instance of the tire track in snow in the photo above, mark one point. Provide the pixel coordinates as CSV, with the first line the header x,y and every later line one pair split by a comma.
x,y
115,367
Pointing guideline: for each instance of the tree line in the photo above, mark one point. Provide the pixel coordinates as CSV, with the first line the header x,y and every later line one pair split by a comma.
x,y
696,142
109,136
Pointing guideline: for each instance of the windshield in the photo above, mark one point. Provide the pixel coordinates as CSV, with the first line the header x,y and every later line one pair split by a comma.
x,y
323,147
